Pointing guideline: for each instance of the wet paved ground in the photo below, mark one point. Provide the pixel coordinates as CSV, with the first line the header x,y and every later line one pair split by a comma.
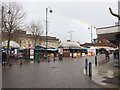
x,y
59,74
107,75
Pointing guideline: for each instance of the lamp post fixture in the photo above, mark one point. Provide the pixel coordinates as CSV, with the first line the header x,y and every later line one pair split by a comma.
x,y
50,10
91,27
70,35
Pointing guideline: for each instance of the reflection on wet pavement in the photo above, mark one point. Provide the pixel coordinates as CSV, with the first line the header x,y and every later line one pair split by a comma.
x,y
107,75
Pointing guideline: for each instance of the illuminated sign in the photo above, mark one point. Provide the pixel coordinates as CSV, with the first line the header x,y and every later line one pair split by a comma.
x,y
31,53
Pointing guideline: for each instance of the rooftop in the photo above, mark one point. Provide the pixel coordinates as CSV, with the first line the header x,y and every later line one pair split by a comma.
x,y
69,45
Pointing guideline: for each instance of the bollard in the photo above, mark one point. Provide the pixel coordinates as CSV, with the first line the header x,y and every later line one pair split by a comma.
x,y
86,64
90,69
95,60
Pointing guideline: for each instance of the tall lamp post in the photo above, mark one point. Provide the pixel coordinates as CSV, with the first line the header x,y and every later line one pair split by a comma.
x,y
70,35
50,10
91,27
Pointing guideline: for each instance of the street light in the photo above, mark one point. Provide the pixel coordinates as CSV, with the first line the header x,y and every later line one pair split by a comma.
x,y
91,27
50,10
70,35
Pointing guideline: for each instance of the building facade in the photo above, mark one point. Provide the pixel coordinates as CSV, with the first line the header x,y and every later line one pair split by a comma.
x,y
27,41
111,33
100,41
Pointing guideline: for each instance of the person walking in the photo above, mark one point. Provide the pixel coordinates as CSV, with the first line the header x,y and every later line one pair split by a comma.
x,y
20,55
54,56
107,55
4,57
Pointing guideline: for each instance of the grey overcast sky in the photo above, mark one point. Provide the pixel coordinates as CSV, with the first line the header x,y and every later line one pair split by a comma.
x,y
69,15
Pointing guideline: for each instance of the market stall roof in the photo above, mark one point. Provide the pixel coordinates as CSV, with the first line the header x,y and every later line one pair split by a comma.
x,y
105,47
13,44
38,47
52,49
71,45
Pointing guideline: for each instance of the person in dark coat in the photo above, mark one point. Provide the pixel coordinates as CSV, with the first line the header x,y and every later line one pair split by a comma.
x,y
20,55
54,56
4,57
107,55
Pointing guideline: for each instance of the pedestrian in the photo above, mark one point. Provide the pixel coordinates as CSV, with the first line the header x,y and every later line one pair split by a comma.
x,y
4,57
72,55
48,57
20,55
107,55
54,56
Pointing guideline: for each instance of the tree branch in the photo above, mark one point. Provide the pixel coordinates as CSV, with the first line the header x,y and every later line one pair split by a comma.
x,y
118,16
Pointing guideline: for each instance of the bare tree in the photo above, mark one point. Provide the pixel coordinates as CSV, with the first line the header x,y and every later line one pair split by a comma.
x,y
12,18
116,15
36,30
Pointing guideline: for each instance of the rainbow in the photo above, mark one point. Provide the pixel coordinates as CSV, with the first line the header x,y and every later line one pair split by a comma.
x,y
80,22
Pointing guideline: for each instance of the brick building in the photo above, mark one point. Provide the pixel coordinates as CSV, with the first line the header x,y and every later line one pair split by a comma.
x,y
100,41
26,40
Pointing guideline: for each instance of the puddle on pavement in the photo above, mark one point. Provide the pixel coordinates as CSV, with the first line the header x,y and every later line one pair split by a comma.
x,y
53,67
